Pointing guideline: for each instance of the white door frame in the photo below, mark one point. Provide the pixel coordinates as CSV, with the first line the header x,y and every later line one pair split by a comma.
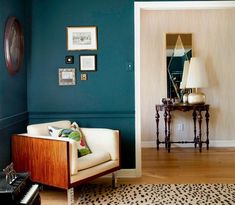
x,y
179,5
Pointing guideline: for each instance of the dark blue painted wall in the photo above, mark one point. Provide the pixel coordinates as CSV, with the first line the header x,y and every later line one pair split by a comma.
x,y
107,98
13,89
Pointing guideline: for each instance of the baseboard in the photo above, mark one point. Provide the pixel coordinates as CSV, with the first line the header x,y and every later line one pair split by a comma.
x,y
213,143
125,173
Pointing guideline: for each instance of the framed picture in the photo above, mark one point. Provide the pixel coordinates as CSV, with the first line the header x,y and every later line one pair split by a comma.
x,y
83,76
13,45
82,38
87,62
67,76
69,59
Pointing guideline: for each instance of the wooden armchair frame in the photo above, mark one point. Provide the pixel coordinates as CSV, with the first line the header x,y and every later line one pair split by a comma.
x,y
48,162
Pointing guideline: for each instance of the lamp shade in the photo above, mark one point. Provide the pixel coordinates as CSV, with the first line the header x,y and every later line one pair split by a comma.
x,y
197,76
185,75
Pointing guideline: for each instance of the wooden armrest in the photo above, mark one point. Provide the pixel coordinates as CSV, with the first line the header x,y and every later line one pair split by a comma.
x,y
47,160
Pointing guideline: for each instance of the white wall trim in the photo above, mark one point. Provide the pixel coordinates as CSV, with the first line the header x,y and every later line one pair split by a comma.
x,y
127,173
184,5
137,92
213,143
179,5
124,173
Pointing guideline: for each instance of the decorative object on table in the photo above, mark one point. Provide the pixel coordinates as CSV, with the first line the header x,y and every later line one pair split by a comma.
x,y
10,173
69,59
13,45
167,101
184,90
178,50
197,78
82,38
67,76
88,63
170,101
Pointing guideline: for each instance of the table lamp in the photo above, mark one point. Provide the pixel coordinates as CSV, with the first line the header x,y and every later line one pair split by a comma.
x,y
197,78
184,81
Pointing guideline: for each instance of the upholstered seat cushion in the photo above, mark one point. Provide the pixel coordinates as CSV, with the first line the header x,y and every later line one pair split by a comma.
x,y
91,160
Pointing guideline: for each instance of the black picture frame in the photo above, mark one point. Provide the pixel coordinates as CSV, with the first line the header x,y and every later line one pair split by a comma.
x,y
88,63
69,59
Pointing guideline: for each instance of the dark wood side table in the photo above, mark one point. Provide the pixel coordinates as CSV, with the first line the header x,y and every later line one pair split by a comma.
x,y
197,117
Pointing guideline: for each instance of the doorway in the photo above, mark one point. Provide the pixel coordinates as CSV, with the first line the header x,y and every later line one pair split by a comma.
x,y
140,8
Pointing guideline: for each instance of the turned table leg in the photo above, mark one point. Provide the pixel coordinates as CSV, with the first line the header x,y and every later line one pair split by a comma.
x,y
169,130
199,118
207,115
195,128
165,120
157,123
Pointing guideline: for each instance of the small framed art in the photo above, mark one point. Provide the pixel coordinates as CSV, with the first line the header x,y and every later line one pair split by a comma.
x,y
82,38
87,62
83,76
67,76
69,59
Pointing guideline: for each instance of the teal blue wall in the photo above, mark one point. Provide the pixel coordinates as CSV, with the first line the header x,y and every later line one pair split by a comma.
x,y
107,98
13,89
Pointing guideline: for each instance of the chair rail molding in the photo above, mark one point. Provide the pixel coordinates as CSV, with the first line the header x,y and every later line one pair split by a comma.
x,y
141,6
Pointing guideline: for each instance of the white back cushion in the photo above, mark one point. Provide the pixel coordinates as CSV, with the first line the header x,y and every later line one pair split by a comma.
x,y
101,139
42,128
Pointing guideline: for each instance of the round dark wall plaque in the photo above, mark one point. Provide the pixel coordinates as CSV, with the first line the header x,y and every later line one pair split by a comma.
x,y
13,45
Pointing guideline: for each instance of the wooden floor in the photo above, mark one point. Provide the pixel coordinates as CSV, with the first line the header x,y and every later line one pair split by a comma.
x,y
181,165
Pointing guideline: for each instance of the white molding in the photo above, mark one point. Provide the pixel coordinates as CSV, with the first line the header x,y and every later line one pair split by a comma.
x,y
148,144
213,143
127,173
124,173
137,93
183,5
179,5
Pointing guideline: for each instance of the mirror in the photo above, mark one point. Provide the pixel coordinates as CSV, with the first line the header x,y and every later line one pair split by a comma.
x,y
178,50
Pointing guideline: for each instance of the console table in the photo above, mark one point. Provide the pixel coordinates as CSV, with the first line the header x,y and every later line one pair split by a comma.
x,y
197,117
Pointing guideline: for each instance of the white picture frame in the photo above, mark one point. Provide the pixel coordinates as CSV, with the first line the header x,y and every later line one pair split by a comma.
x,y
82,38
88,63
67,76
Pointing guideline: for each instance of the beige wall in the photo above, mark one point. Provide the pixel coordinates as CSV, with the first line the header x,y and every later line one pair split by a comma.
x,y
214,40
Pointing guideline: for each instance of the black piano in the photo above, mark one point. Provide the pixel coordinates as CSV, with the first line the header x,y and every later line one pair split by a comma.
x,y
20,191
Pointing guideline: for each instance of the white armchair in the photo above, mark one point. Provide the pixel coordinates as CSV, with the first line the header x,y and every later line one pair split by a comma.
x,y
54,161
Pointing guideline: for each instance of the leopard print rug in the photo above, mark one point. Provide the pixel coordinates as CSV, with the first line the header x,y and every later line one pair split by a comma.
x,y
157,194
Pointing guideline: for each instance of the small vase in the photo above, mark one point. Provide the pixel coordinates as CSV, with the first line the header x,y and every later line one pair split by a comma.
x,y
185,98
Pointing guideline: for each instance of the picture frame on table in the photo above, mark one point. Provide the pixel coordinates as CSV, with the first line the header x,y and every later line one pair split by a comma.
x,y
82,38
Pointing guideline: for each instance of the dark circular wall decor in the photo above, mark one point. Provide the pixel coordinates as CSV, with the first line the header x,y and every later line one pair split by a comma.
x,y
13,45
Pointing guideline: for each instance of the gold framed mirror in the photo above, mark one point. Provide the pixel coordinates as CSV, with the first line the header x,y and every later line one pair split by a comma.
x,y
178,50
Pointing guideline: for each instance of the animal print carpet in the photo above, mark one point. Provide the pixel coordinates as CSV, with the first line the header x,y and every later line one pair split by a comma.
x,y
157,194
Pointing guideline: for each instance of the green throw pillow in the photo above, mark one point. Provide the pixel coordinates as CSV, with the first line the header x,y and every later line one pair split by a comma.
x,y
76,135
